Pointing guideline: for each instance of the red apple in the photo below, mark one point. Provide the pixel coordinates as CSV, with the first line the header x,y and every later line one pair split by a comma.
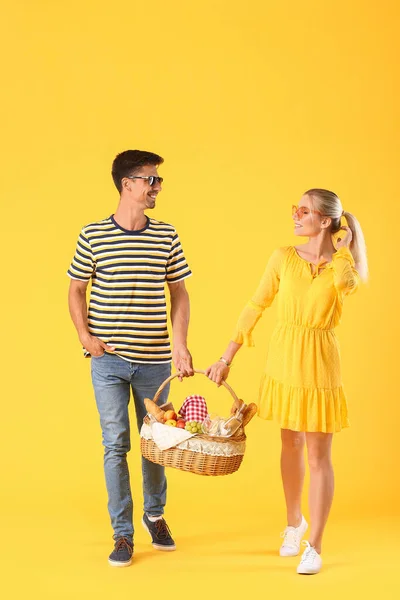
x,y
180,423
170,414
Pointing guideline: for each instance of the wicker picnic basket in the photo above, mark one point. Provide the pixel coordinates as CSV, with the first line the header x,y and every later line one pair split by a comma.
x,y
202,454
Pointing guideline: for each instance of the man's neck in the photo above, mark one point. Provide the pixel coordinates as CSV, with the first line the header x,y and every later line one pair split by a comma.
x,y
130,217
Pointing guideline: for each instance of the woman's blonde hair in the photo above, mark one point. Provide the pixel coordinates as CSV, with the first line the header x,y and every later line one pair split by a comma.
x,y
330,205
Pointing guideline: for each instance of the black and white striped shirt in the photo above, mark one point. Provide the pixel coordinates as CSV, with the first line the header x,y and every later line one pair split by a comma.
x,y
129,269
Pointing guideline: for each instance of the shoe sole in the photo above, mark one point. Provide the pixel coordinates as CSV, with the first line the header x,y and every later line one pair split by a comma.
x,y
115,563
157,546
307,572
289,555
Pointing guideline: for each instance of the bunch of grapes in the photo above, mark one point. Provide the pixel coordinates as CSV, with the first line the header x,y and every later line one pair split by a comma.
x,y
194,427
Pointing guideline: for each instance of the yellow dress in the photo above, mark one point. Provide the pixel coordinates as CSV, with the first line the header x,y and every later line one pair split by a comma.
x,y
301,387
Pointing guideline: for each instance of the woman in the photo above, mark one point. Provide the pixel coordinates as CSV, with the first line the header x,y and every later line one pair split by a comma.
x,y
301,387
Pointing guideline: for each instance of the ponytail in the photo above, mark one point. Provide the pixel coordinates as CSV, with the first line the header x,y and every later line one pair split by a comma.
x,y
357,245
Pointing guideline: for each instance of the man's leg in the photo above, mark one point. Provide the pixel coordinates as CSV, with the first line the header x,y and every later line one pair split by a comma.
x,y
145,382
111,382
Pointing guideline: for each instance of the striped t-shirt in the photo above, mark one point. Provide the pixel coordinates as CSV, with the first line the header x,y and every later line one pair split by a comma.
x,y
127,307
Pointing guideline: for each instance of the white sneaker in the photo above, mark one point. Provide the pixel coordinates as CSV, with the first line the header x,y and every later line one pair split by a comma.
x,y
292,537
311,561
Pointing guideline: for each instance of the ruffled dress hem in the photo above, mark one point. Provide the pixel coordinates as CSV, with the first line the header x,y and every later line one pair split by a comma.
x,y
303,409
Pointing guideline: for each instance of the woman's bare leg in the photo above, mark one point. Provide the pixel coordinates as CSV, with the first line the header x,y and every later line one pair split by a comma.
x,y
292,471
321,484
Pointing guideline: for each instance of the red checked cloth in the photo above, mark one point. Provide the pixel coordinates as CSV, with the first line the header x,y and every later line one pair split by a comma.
x,y
194,409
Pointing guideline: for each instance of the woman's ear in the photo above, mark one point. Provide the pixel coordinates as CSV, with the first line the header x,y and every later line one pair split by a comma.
x,y
326,222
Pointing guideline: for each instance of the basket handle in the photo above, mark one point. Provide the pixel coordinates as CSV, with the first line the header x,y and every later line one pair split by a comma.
x,y
166,382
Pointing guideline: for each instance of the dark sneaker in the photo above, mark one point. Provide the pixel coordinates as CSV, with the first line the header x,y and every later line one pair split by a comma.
x,y
121,556
160,534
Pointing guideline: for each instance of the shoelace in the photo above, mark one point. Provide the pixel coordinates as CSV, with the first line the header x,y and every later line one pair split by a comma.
x,y
309,553
290,536
163,530
121,544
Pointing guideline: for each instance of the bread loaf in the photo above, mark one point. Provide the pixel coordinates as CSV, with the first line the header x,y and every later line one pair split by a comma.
x,y
154,410
249,413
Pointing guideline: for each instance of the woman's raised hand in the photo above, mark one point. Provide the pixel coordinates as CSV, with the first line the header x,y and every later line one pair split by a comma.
x,y
218,372
346,239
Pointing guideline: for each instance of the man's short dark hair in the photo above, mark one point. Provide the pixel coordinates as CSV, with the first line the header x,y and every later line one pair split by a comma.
x,y
129,162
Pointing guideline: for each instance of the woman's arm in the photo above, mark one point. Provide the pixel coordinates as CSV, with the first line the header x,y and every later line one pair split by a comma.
x,y
263,297
220,370
346,277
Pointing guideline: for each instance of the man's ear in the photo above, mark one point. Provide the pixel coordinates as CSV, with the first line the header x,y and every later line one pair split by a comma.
x,y
126,184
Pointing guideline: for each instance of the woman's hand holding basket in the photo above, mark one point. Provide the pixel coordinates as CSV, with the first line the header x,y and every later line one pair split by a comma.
x,y
218,372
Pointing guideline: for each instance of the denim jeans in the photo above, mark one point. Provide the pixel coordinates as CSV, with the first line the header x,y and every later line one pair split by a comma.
x,y
112,379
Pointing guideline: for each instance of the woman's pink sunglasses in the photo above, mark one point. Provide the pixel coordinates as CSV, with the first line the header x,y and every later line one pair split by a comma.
x,y
300,211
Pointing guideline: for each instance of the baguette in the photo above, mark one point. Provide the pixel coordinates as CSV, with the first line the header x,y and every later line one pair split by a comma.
x,y
249,413
154,410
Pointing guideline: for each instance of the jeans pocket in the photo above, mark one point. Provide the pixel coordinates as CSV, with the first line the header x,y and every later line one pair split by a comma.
x,y
101,355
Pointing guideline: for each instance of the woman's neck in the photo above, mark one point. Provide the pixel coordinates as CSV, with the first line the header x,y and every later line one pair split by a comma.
x,y
319,247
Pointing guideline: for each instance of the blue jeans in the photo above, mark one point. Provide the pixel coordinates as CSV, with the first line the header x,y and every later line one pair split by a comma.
x,y
112,379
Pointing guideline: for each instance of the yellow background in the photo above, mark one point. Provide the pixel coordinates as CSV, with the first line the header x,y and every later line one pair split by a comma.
x,y
250,103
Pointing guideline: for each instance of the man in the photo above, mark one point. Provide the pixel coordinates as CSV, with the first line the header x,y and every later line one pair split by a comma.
x,y
129,257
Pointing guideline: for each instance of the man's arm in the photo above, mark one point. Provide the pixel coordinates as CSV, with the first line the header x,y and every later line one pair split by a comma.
x,y
180,314
78,312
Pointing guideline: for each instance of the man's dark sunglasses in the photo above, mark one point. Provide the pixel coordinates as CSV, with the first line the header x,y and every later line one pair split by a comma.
x,y
152,179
